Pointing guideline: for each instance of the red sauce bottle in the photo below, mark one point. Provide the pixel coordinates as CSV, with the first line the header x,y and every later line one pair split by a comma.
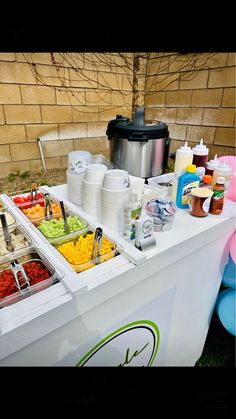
x,y
217,200
200,154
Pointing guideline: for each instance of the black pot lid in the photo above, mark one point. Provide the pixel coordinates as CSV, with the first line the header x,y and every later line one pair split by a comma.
x,y
137,129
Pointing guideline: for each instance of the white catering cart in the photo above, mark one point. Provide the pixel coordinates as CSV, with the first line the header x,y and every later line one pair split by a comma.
x,y
136,309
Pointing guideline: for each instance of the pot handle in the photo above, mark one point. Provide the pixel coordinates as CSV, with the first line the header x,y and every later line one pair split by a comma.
x,y
139,116
166,152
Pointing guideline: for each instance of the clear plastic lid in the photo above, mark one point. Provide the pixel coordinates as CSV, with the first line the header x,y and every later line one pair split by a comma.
x,y
200,149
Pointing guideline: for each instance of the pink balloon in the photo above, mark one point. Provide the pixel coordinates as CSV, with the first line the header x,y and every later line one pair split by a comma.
x,y
232,247
232,188
231,161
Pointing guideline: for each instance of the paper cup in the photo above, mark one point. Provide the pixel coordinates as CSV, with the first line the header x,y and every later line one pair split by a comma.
x,y
108,195
95,173
113,218
116,179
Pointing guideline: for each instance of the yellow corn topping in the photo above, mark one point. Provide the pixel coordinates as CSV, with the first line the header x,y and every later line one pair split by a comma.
x,y
80,252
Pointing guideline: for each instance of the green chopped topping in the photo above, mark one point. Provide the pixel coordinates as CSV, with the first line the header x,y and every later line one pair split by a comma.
x,y
55,226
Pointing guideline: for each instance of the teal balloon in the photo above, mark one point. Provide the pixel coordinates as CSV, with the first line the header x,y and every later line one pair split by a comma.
x,y
229,275
225,309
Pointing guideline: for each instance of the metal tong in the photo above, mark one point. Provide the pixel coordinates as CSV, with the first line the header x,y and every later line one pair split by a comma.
x,y
47,206
33,191
17,268
7,236
66,225
97,243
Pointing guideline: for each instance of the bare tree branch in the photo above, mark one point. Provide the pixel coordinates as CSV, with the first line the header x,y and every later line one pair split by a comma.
x,y
145,73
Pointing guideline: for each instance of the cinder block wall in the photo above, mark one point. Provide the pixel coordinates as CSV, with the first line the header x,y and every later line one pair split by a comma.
x,y
195,95
40,106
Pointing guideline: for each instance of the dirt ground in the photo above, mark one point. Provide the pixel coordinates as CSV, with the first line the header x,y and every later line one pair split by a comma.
x,y
19,181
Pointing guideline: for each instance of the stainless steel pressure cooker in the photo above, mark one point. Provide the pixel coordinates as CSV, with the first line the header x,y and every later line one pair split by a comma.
x,y
137,146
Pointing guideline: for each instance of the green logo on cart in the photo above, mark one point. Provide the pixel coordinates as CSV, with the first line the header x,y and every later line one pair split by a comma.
x,y
134,344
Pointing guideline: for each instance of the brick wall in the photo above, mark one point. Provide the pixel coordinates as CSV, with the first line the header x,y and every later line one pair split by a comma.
x,y
74,118
195,95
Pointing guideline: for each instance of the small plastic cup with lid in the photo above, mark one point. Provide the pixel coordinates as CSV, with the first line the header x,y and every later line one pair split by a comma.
x,y
162,211
94,173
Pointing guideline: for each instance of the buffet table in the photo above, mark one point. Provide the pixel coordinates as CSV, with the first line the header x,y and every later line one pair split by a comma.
x,y
136,309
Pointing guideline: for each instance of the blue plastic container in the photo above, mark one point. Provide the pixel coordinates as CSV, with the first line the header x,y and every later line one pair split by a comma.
x,y
187,181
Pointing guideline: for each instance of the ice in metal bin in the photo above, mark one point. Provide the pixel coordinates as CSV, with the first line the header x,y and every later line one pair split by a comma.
x,y
80,253
20,241
17,283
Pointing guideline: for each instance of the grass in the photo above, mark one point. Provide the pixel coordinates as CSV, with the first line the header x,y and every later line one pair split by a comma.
x,y
219,348
19,181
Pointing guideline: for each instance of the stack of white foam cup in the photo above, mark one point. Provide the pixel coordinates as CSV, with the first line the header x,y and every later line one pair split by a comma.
x,y
77,163
91,189
114,192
